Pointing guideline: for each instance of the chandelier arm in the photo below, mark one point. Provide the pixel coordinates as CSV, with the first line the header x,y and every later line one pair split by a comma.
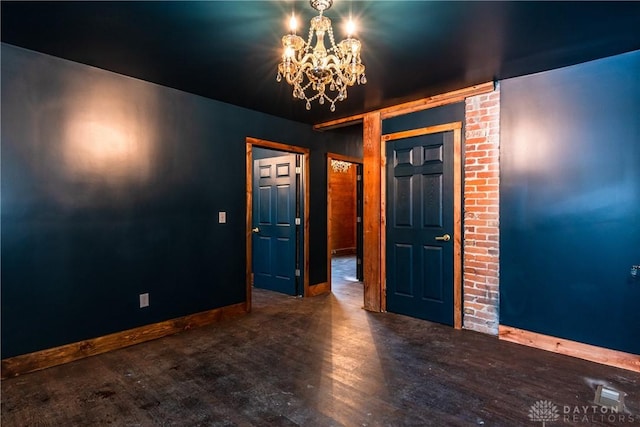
x,y
333,59
307,60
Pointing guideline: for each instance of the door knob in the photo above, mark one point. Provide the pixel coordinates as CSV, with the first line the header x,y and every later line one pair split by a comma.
x,y
256,230
444,238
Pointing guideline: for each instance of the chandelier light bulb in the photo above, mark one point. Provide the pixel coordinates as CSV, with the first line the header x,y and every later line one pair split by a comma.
x,y
351,27
289,52
293,24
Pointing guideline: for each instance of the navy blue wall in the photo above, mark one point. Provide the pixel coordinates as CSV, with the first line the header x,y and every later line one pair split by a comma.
x,y
111,187
430,117
570,202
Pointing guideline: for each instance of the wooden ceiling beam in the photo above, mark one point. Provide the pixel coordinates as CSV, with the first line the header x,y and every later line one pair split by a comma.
x,y
410,107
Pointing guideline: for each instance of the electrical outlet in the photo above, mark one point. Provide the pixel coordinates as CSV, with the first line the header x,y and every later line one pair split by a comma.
x,y
222,217
144,300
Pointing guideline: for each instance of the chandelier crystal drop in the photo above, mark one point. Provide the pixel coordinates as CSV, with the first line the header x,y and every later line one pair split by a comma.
x,y
316,72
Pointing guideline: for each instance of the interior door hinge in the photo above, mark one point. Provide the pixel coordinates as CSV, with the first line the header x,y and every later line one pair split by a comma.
x,y
358,177
297,272
297,221
298,170
358,219
359,261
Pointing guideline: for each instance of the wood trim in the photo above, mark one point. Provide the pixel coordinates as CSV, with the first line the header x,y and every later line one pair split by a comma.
x,y
383,225
305,173
329,221
436,100
38,360
580,350
411,107
422,131
457,227
456,127
250,142
276,145
372,208
319,289
248,226
339,123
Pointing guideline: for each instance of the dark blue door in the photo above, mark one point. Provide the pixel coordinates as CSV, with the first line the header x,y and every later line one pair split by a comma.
x,y
420,227
274,229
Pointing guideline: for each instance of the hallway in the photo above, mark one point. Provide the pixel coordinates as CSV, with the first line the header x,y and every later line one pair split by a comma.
x,y
319,361
345,286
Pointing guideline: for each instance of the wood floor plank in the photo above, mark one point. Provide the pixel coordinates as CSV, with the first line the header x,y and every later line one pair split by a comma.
x,y
321,361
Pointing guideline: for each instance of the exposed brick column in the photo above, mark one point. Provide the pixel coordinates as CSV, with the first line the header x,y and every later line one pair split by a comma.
x,y
481,213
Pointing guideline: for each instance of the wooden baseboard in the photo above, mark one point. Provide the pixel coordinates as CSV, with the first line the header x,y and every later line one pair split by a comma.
x,y
38,360
319,289
589,352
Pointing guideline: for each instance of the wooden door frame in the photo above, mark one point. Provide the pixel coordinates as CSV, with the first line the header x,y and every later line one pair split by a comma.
x,y
250,142
456,127
334,156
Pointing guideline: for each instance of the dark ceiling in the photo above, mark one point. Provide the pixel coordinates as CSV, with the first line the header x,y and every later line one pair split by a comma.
x,y
228,50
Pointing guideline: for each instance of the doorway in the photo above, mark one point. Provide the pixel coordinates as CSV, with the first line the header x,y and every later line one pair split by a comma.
x,y
344,219
423,223
276,204
277,232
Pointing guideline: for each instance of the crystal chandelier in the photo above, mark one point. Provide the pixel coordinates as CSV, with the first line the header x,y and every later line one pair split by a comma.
x,y
340,166
318,72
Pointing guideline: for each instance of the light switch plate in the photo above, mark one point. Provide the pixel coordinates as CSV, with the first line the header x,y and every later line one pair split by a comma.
x,y
222,217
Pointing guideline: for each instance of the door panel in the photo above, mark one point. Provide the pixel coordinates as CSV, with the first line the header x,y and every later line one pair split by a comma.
x,y
274,210
403,271
420,280
432,273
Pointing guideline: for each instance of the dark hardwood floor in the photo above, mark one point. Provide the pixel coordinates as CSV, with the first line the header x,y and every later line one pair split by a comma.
x,y
319,361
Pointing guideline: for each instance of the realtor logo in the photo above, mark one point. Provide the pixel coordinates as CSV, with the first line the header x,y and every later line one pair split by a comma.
x,y
543,411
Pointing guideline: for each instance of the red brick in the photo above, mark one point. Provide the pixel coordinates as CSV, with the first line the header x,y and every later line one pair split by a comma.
x,y
475,208
475,153
474,291
489,103
487,202
487,216
484,244
475,236
474,250
486,160
476,264
475,195
485,258
488,174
